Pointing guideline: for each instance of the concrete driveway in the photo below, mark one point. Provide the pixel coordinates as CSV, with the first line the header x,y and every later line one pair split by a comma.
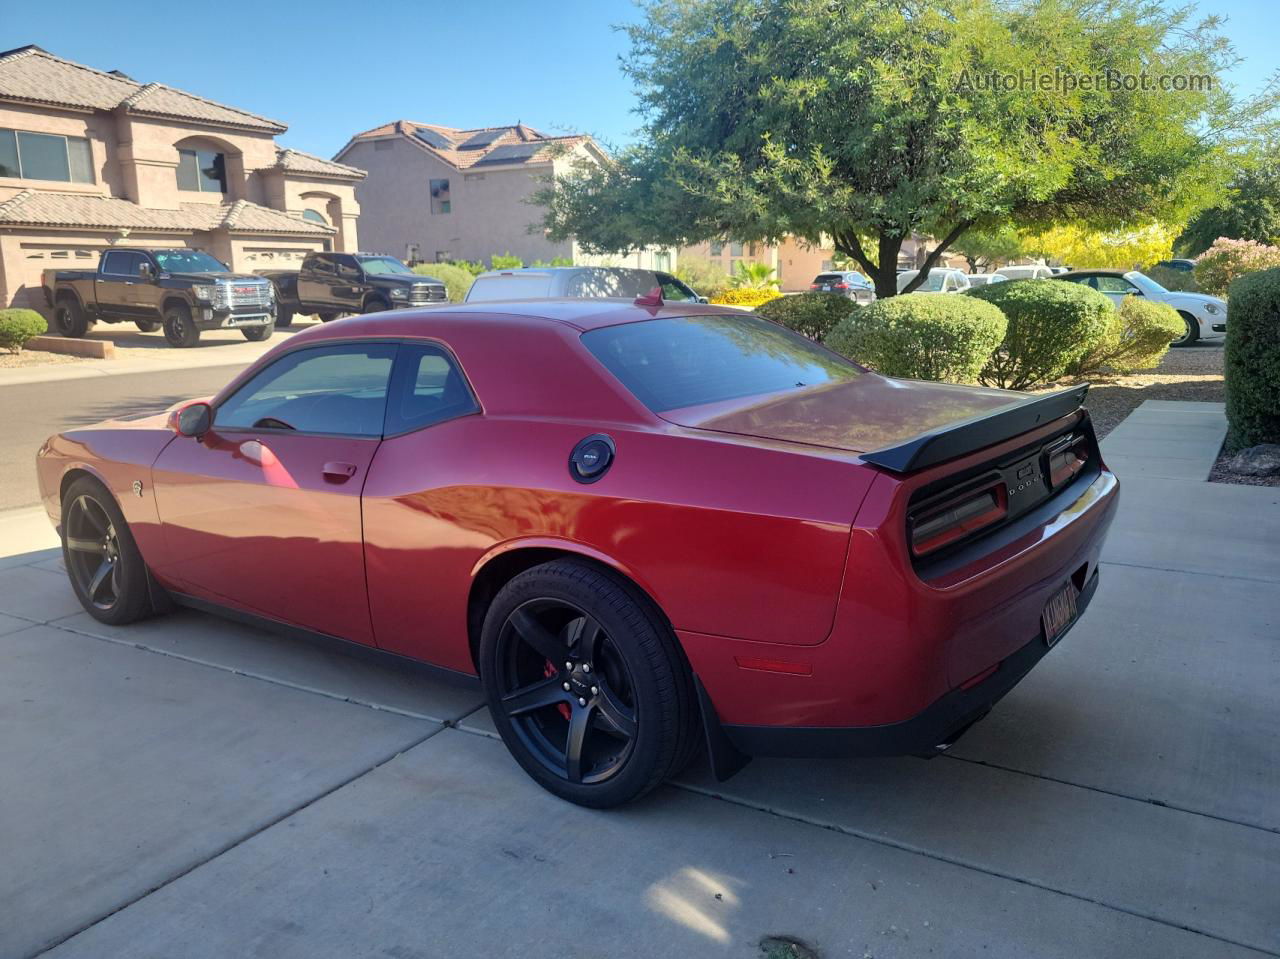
x,y
190,787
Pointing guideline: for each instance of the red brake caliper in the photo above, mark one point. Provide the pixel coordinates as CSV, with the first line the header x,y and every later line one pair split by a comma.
x,y
550,670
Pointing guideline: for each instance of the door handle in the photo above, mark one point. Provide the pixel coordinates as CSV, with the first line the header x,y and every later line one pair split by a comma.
x,y
338,472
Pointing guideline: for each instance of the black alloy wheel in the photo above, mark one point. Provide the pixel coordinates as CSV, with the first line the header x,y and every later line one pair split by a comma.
x,y
102,560
586,684
69,318
375,304
179,328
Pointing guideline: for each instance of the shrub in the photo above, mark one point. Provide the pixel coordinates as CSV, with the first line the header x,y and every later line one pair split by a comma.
x,y
505,262
812,314
1252,360
474,267
554,261
1137,337
455,279
1052,325
745,297
18,326
707,279
1227,260
924,336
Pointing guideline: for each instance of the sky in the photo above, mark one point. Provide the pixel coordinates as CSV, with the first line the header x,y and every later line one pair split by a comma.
x,y
332,69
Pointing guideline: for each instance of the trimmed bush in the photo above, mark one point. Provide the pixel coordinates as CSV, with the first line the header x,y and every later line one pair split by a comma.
x,y
1228,260
1137,338
18,326
1252,360
1052,325
811,314
455,279
742,296
923,336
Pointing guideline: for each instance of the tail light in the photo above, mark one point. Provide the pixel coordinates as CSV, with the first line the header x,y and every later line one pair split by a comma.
x,y
840,286
957,515
1065,459
815,286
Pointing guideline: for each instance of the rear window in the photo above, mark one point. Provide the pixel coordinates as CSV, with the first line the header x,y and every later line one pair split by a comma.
x,y
829,278
688,361
515,287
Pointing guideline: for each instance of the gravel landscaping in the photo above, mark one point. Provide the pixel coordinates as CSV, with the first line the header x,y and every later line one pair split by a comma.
x,y
36,358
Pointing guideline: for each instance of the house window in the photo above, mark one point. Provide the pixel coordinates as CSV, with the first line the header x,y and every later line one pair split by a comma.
x,y
202,171
735,249
662,261
444,256
717,249
382,145
440,196
45,156
315,216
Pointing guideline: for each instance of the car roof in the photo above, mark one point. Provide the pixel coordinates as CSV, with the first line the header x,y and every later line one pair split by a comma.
x,y
578,313
550,270
1095,273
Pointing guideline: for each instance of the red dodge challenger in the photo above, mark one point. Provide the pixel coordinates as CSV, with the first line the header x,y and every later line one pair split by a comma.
x,y
643,528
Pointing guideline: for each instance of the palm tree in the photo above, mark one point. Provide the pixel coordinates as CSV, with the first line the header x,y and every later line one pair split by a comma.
x,y
754,276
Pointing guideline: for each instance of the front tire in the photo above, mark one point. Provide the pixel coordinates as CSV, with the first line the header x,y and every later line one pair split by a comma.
x,y
376,305
179,329
256,334
103,562
1191,335
284,319
628,719
328,317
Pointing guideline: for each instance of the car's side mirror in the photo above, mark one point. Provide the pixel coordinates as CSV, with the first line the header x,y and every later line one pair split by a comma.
x,y
194,419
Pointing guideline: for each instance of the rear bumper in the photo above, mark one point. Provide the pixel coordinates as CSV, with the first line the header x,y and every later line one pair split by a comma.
x,y
938,725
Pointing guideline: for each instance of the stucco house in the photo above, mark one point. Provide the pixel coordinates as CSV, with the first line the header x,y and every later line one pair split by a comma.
x,y
91,159
436,193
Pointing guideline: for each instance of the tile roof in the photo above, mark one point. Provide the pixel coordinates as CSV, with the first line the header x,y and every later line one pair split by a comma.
x,y
464,149
295,161
49,209
32,75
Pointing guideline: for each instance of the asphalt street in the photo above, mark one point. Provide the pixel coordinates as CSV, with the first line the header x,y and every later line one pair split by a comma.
x,y
31,412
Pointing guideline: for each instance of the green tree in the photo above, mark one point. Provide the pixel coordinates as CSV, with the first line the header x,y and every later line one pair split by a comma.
x,y
981,248
1251,211
868,121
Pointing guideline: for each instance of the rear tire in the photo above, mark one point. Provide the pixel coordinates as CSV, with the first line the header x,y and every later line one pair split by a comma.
x,y
284,319
179,329
103,563
629,719
256,334
147,326
1192,333
69,318
328,317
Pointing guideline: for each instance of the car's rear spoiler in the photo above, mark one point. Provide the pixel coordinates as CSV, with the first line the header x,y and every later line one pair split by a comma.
x,y
965,436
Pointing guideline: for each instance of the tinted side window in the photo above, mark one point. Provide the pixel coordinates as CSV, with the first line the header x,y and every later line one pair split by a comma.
x,y
347,268
1114,284
121,263
333,389
673,291
427,388
320,264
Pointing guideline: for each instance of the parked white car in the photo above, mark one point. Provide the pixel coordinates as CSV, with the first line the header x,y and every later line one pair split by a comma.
x,y
939,280
1204,316
986,279
587,282
1029,271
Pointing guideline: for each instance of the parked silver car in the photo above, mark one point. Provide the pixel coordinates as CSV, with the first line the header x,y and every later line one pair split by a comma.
x,y
586,282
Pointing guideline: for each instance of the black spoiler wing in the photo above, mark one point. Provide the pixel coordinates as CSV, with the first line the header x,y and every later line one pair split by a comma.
x,y
965,436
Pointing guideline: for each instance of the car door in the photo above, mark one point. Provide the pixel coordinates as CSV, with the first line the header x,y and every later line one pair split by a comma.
x,y
1115,287
145,295
315,282
263,511
348,291
113,286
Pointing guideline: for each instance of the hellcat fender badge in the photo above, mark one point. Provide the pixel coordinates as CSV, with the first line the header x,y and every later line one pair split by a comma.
x,y
137,487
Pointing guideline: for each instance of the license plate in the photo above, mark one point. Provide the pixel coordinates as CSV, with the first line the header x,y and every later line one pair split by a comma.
x,y
826,287
1060,612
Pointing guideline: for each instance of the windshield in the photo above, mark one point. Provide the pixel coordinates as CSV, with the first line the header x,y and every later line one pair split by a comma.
x,y
1144,283
380,265
693,360
932,283
188,261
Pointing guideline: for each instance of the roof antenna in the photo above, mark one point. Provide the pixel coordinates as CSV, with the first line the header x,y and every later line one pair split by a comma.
x,y
652,298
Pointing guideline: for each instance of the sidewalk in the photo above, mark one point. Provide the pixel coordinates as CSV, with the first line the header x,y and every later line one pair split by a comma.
x,y
138,352
188,786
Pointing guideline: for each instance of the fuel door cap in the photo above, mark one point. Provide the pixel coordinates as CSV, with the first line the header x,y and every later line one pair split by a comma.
x,y
591,458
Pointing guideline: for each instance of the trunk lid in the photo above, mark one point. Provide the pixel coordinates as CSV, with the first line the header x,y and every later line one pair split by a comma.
x,y
868,412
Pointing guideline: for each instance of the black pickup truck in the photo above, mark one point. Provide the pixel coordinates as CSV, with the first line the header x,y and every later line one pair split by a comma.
x,y
182,291
333,284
